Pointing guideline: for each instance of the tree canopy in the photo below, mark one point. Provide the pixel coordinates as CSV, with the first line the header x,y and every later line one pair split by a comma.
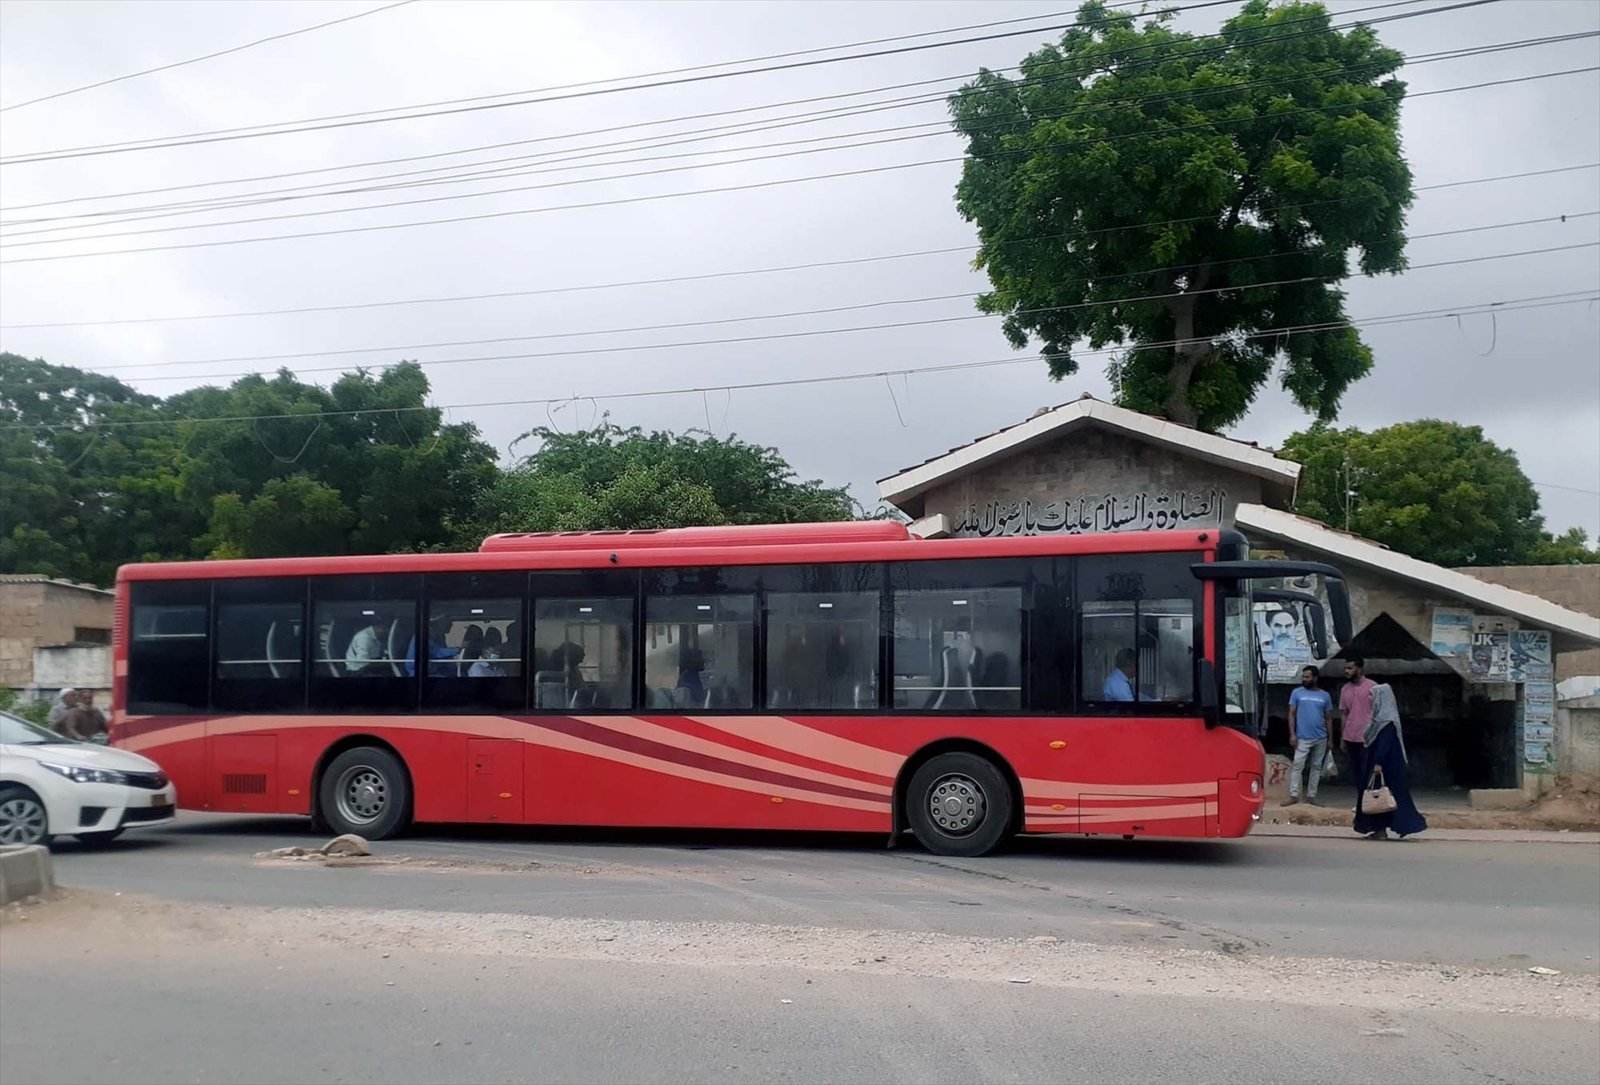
x,y
127,477
611,478
1439,491
97,475
1224,180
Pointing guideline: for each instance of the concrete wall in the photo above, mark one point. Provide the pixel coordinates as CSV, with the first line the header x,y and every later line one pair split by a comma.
x,y
1578,738
1576,587
1076,473
45,614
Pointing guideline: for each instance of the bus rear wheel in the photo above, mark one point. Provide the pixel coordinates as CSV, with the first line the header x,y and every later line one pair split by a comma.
x,y
959,804
365,791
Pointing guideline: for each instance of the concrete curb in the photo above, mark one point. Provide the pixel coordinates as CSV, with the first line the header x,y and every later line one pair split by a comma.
x,y
25,871
1475,836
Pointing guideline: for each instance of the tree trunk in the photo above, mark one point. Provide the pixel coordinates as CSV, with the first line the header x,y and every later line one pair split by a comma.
x,y
1187,357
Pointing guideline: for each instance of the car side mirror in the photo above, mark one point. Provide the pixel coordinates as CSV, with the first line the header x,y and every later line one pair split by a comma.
x,y
1210,695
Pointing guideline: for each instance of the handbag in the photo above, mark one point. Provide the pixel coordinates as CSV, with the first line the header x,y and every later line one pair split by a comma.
x,y
1329,768
1377,798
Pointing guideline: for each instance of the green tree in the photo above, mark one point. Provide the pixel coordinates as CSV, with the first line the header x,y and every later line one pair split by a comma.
x,y
1571,547
612,478
104,475
1273,152
1439,491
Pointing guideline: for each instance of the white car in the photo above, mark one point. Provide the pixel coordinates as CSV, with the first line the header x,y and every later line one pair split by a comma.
x,y
52,786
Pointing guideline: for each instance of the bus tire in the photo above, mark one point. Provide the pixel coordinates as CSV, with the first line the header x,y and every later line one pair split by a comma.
x,y
365,791
959,804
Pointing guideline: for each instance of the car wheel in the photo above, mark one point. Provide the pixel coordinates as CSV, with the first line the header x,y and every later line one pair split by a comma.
x,y
959,804
22,817
365,791
94,840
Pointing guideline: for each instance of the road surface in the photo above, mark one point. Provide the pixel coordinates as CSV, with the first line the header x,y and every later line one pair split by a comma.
x,y
587,956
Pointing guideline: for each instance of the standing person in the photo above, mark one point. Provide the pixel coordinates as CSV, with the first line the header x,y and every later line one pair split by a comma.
x,y
63,703
1386,766
1355,714
1309,709
83,722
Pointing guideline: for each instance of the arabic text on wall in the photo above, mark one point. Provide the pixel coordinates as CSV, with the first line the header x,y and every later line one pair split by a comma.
x,y
1141,511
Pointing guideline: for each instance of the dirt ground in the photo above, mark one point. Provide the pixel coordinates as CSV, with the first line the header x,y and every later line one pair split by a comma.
x,y
126,928
1572,805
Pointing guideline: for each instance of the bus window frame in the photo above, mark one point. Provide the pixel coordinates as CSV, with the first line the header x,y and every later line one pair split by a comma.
x,y
1180,560
586,584
343,588
245,591
512,690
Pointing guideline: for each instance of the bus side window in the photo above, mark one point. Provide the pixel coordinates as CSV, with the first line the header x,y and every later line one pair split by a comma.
x,y
360,629
1139,634
700,650
169,647
583,653
822,650
260,638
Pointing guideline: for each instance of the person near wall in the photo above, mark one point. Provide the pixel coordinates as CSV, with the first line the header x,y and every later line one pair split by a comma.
x,y
83,722
64,700
1386,767
1309,709
1355,713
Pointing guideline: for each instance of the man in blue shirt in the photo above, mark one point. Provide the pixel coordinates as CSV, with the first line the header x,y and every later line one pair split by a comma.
x,y
1309,709
1119,683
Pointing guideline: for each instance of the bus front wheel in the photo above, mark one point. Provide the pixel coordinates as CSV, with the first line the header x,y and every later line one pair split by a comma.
x,y
959,804
365,791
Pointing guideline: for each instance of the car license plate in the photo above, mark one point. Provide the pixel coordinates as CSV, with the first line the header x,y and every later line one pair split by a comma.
x,y
158,800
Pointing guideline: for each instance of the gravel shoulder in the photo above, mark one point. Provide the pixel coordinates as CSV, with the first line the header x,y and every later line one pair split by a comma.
x,y
108,928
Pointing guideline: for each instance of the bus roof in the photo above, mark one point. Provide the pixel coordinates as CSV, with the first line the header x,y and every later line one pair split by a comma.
x,y
786,544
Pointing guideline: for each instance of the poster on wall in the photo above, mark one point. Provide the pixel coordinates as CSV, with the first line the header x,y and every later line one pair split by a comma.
x,y
1536,753
1285,647
1530,659
1452,634
1491,657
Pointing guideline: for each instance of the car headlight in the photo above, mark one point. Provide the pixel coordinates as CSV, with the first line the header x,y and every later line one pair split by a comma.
x,y
80,775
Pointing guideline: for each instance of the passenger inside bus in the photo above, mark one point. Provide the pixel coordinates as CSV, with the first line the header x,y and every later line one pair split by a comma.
x,y
1119,683
365,650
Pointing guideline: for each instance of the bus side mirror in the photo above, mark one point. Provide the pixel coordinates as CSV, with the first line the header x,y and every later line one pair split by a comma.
x,y
1209,694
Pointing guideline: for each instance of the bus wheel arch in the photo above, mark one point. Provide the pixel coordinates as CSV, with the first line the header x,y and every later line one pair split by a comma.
x,y
903,818
362,758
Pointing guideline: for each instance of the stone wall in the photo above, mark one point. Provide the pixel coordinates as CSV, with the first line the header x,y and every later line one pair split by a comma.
x,y
46,614
1064,485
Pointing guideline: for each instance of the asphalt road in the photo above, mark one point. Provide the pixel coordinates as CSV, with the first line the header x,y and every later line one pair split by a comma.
x,y
585,956
1485,905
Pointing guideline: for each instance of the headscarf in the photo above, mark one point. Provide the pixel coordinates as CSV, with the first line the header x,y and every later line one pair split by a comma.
x,y
1385,713
59,707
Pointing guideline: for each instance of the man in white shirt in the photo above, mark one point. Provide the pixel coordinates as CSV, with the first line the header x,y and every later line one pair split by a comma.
x,y
366,647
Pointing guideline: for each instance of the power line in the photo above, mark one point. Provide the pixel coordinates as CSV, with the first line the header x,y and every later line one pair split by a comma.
x,y
207,56
1512,305
632,199
199,138
475,172
840,110
762,338
814,265
1574,489
858,306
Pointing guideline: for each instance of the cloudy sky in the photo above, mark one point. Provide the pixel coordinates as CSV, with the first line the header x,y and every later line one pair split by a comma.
x,y
1531,379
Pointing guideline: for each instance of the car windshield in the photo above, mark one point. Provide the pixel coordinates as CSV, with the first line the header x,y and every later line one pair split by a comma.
x,y
16,731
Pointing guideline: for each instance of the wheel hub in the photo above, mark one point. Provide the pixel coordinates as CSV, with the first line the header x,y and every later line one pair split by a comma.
x,y
22,821
957,804
362,795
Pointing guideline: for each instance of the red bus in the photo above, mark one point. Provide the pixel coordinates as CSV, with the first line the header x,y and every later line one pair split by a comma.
x,y
812,676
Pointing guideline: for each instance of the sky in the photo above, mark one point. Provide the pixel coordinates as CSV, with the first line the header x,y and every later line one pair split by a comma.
x,y
1531,379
